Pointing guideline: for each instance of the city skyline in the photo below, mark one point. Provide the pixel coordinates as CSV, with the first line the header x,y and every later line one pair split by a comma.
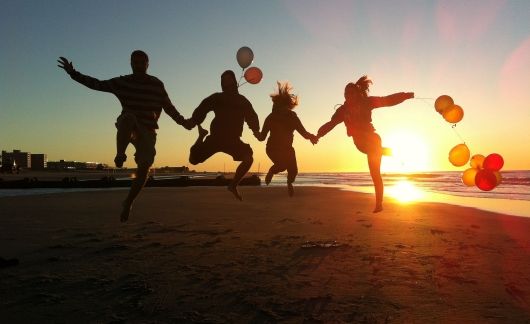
x,y
478,52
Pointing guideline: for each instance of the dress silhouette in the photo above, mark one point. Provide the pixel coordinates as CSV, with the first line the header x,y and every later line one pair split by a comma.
x,y
231,111
356,114
281,123
142,97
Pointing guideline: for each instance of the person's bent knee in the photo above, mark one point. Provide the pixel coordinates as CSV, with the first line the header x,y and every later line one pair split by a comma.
x,y
248,159
193,160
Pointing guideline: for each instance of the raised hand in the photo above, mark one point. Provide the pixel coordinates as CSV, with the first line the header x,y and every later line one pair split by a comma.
x,y
65,65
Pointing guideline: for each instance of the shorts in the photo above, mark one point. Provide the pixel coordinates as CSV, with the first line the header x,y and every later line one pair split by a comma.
x,y
284,158
201,151
143,139
368,143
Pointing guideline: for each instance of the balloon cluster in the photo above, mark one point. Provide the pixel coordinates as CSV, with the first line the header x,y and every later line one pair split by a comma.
x,y
484,171
244,57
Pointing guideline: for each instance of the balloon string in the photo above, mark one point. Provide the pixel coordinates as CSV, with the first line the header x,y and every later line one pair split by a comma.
x,y
241,77
457,134
242,84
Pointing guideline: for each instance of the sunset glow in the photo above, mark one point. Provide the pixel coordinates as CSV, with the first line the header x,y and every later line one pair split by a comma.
x,y
405,191
410,153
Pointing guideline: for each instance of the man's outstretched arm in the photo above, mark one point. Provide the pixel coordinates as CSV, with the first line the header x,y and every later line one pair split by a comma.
x,y
85,80
170,109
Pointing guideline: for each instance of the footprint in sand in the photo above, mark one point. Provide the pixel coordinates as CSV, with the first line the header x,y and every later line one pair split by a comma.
x,y
518,294
437,232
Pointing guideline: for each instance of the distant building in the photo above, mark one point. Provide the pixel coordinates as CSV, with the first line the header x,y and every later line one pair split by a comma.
x,y
21,159
75,165
168,169
39,161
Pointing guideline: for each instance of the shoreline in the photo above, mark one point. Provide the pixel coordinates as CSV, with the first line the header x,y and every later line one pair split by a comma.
x,y
512,207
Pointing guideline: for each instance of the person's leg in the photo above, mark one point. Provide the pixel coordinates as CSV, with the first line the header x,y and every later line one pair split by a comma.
x,y
292,172
374,164
240,152
136,186
197,149
125,126
370,144
145,155
241,170
277,166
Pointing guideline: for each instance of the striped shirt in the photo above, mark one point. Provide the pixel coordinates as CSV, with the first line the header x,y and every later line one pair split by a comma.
x,y
144,97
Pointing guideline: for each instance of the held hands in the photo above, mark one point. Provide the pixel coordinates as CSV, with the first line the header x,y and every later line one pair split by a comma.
x,y
313,139
65,65
188,124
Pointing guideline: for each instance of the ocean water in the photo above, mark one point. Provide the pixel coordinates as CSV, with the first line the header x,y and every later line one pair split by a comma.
x,y
511,197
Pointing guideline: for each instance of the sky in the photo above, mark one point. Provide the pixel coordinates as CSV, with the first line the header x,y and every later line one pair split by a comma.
x,y
477,52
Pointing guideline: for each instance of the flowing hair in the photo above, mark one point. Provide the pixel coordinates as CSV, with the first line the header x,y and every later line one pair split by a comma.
x,y
283,98
362,86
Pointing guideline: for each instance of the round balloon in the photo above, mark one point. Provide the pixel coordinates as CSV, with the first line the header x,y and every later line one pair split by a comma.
x,y
459,155
253,75
453,114
244,57
443,102
498,176
468,177
477,161
493,162
486,180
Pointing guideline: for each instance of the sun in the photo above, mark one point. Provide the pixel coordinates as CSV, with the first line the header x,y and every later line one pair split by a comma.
x,y
410,153
405,191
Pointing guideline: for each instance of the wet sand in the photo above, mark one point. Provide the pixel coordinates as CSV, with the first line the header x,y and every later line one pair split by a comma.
x,y
198,255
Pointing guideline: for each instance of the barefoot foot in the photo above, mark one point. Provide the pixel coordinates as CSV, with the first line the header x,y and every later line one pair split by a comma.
x,y
233,190
378,208
125,212
268,177
119,159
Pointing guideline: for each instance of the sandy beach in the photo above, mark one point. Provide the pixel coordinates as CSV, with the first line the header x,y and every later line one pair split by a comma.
x,y
197,255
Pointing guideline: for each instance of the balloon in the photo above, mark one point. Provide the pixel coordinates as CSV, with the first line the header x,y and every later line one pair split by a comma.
x,y
244,57
453,114
253,75
443,102
486,180
477,161
468,177
493,162
459,155
498,176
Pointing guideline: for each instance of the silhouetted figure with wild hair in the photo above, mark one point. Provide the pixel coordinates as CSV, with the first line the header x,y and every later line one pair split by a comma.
x,y
142,98
231,111
356,113
281,123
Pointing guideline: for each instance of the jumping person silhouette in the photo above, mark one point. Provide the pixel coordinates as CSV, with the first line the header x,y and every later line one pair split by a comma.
x,y
231,111
282,122
142,98
356,113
